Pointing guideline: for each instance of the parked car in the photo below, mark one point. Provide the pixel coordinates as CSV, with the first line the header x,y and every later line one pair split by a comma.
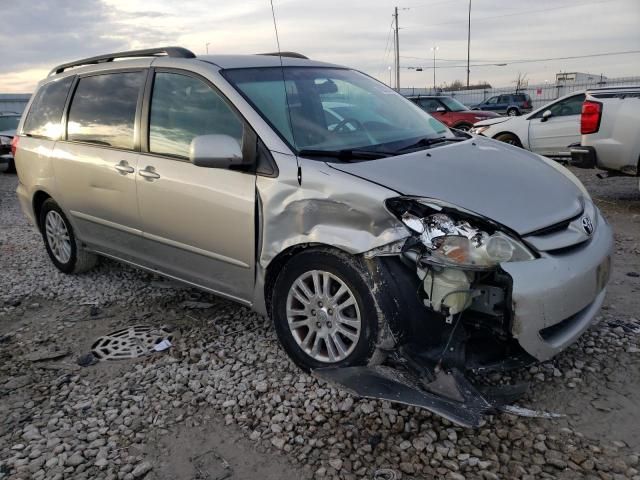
x,y
512,104
450,111
549,130
8,124
609,126
388,236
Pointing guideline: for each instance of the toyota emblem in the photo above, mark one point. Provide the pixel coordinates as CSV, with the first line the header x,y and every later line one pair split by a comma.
x,y
587,225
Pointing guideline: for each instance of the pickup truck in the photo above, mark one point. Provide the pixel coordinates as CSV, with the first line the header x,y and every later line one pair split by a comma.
x,y
610,128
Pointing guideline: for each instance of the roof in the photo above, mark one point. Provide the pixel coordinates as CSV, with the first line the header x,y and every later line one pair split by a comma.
x,y
256,61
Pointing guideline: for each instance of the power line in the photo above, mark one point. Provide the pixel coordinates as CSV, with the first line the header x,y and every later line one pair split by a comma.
x,y
387,50
513,62
523,12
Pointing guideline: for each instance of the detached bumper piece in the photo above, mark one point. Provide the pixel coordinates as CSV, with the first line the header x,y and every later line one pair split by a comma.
x,y
583,157
449,394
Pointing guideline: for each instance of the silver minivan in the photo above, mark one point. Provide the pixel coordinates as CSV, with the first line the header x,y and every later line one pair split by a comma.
x,y
316,195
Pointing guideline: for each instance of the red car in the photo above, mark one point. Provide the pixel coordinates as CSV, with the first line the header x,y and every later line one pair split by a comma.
x,y
450,111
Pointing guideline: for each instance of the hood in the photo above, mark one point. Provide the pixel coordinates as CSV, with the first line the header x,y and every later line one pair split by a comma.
x,y
509,185
486,114
494,121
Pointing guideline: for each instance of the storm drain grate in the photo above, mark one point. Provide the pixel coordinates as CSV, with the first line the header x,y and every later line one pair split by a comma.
x,y
130,342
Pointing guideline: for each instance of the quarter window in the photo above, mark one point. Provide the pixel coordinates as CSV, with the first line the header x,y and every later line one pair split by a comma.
x,y
103,109
184,107
45,114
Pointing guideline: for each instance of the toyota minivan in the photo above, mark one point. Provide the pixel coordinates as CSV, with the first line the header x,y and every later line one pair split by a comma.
x,y
318,196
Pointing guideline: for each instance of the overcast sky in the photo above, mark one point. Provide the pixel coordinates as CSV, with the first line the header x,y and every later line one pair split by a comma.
x,y
37,34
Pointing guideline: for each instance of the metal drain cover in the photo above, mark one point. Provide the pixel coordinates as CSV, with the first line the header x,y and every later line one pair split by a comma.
x,y
130,342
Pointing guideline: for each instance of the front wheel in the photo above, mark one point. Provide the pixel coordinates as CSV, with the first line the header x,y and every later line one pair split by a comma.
x,y
60,241
324,310
509,138
465,127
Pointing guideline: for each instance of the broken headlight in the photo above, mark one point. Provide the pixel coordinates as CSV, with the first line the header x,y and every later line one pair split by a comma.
x,y
459,244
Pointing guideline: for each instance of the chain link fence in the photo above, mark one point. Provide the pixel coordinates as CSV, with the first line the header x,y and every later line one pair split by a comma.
x,y
540,94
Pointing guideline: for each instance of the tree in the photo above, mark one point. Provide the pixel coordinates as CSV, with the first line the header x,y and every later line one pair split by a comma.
x,y
521,81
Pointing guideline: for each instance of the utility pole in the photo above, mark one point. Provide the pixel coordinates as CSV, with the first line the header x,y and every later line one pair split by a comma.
x,y
434,49
207,47
468,44
397,45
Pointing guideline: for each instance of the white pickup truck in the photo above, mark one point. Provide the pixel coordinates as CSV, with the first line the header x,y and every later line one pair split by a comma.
x,y
610,128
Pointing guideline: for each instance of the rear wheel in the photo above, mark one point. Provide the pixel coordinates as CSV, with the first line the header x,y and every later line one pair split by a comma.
x,y
60,241
513,112
509,138
11,166
324,310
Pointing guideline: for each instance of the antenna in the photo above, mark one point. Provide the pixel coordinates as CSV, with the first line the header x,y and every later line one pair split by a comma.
x,y
284,86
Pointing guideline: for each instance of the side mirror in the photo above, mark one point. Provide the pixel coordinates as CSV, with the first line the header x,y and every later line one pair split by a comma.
x,y
441,109
546,115
215,151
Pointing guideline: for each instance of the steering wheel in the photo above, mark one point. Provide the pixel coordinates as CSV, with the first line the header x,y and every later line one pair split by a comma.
x,y
340,127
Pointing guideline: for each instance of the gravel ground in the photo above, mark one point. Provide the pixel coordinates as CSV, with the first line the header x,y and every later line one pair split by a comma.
x,y
225,401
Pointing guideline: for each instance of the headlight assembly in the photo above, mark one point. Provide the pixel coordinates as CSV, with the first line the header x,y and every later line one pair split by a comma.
x,y
455,243
479,130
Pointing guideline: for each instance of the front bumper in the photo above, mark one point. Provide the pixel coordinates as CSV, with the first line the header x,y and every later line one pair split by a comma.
x,y
557,297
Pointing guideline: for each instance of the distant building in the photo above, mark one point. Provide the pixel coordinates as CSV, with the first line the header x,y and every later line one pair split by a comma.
x,y
567,78
14,102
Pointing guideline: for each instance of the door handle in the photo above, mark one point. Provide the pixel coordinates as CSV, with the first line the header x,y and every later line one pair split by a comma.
x,y
149,173
124,168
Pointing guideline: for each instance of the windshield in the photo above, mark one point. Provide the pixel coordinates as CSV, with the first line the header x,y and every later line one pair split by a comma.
x,y
453,104
9,122
333,109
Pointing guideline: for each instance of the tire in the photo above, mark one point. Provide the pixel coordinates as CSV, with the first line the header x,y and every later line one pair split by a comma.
x,y
465,127
11,166
323,338
513,112
509,138
63,248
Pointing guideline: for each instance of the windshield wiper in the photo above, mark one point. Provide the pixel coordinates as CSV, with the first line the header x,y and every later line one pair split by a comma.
x,y
345,154
430,141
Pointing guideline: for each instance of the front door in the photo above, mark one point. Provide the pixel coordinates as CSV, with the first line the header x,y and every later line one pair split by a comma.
x,y
197,222
553,136
95,165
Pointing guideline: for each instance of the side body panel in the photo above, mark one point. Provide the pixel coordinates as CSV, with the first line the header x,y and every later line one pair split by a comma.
x,y
101,199
553,137
199,225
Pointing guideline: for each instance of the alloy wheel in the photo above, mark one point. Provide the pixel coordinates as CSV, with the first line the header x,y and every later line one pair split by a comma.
x,y
58,236
323,316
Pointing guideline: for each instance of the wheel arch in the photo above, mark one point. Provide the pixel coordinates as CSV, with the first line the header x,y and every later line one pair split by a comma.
x,y
275,266
495,137
39,197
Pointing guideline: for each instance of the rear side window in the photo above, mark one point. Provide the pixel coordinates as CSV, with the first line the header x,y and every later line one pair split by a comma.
x,y
184,107
103,109
45,115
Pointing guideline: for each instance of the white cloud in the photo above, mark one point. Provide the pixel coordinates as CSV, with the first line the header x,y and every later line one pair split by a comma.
x,y
354,33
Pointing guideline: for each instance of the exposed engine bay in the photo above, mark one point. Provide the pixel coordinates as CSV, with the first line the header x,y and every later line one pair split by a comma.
x,y
455,320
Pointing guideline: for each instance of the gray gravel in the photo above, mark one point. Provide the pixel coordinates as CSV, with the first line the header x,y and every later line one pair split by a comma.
x,y
64,421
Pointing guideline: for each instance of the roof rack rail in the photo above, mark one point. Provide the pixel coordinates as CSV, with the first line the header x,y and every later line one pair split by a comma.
x,y
286,54
175,52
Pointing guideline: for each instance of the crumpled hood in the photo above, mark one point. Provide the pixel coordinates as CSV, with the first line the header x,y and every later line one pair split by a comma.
x,y
493,121
509,185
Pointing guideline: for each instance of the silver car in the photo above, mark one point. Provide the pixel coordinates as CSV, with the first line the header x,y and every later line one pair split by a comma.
x,y
374,236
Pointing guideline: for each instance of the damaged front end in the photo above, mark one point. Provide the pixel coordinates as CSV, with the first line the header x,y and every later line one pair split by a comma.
x,y
455,314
